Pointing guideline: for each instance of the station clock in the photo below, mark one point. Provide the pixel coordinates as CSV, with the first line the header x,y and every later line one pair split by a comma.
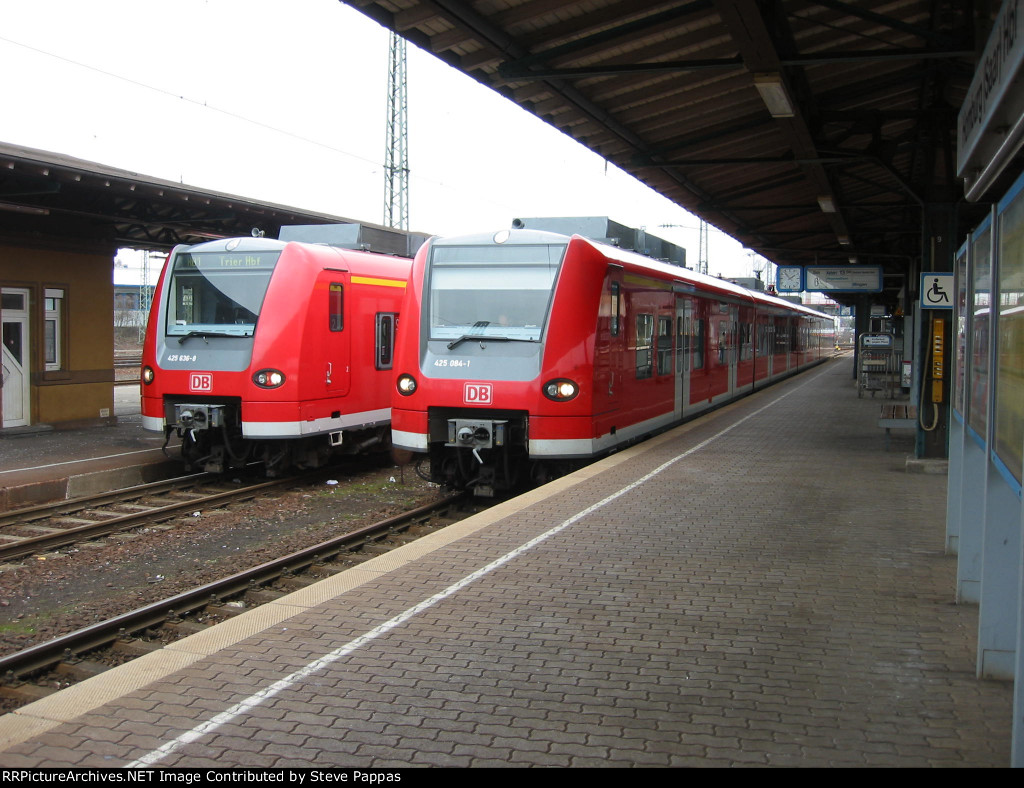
x,y
789,278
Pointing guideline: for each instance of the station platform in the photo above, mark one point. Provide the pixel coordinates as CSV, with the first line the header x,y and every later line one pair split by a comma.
x,y
763,586
40,464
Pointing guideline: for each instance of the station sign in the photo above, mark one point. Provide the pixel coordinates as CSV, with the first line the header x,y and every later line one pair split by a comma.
x,y
936,290
989,126
844,279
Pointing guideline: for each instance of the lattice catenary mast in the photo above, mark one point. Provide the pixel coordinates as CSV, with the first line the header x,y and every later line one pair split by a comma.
x,y
396,154
702,251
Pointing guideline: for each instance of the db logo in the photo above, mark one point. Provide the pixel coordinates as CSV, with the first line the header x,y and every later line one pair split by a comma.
x,y
200,381
477,394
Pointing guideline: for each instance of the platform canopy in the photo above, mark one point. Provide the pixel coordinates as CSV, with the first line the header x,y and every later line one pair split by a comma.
x,y
53,200
815,132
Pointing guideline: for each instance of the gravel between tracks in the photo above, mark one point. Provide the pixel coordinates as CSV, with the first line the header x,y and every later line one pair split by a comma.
x,y
51,595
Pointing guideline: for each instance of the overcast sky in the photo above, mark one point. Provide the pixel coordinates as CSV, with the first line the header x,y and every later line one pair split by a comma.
x,y
286,102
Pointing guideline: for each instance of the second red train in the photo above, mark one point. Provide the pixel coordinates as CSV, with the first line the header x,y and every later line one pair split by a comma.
x,y
524,353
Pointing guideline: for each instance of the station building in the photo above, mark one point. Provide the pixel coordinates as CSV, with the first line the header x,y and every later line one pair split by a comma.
x,y
62,221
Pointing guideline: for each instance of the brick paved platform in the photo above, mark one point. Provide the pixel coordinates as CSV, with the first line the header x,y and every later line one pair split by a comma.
x,y
773,593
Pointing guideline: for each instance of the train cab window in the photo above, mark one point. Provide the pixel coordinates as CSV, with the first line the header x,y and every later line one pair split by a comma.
x,y
217,293
336,303
614,311
664,359
387,322
498,290
53,329
644,345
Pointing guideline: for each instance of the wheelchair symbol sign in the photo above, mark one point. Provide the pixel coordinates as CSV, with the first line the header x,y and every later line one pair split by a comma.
x,y
936,290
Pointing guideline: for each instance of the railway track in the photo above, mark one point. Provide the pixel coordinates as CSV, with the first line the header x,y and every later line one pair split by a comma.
x,y
43,669
46,527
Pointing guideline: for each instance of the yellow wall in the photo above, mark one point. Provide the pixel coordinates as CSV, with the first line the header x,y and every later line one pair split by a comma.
x,y
83,388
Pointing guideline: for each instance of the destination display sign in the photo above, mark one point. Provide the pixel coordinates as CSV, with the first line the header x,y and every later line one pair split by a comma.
x,y
207,261
844,279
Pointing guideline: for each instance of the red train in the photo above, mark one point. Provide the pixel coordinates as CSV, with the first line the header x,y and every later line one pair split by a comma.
x,y
272,351
525,352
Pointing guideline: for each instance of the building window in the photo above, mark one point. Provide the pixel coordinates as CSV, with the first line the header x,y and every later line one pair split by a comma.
x,y
53,327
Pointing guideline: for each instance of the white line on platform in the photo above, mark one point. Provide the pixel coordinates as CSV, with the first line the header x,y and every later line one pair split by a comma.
x,y
72,462
244,706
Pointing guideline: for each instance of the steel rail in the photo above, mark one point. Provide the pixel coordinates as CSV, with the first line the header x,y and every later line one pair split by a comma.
x,y
44,655
35,544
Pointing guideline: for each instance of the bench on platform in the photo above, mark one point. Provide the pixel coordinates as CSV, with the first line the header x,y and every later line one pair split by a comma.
x,y
899,417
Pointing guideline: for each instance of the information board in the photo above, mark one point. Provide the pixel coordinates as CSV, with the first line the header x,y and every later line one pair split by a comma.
x,y
844,279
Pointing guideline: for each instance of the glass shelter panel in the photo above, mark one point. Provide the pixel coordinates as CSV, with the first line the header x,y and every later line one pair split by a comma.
x,y
960,333
977,404
1008,415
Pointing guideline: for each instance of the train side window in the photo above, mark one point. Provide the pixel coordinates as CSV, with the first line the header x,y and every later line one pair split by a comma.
x,y
697,342
664,346
644,349
336,303
53,329
682,343
615,309
387,322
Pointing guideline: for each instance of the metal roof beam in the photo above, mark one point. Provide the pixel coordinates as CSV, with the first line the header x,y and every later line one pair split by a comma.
x,y
657,21
939,39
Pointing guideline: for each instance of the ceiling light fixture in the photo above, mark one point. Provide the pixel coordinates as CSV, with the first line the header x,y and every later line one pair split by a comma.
x,y
774,95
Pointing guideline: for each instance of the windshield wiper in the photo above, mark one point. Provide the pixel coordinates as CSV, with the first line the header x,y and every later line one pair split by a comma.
x,y
487,338
205,334
455,342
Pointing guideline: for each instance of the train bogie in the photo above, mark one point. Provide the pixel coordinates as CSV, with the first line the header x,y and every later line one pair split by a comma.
x,y
271,351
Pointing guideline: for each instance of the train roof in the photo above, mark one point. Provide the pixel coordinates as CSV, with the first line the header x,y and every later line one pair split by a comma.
x,y
697,279
352,260
634,260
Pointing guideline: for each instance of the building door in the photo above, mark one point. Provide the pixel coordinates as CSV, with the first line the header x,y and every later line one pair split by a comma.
x,y
15,356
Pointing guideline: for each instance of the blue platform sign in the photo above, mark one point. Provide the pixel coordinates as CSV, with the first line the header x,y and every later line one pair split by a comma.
x,y
936,290
844,279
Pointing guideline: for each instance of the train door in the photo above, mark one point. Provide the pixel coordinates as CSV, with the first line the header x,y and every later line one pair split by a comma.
x,y
762,349
780,362
15,356
701,358
732,347
611,366
684,314
745,348
337,358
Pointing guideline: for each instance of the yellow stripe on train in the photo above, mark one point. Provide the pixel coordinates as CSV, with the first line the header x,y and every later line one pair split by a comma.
x,y
369,280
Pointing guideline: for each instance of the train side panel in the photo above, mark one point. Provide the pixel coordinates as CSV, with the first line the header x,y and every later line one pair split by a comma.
x,y
629,347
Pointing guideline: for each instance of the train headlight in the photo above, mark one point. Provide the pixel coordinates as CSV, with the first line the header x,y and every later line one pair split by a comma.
x,y
148,375
268,378
406,385
560,390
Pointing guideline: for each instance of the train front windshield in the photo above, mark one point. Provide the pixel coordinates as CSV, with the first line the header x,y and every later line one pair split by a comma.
x,y
218,293
497,290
